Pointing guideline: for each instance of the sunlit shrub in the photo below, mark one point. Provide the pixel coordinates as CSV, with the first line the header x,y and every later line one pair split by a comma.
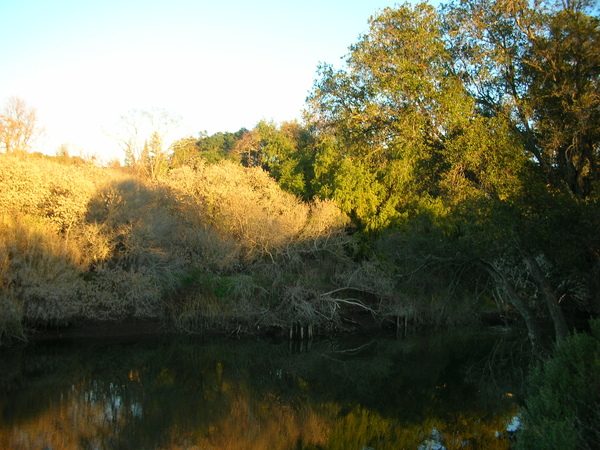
x,y
45,188
80,241
39,272
246,205
325,219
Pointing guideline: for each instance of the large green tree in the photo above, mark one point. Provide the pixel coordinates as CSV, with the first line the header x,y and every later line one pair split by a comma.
x,y
537,64
397,126
210,148
478,120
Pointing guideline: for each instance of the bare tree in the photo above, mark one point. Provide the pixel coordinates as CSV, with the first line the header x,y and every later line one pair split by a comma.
x,y
141,135
18,126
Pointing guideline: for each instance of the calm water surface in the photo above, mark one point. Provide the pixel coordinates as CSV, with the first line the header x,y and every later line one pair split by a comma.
x,y
354,392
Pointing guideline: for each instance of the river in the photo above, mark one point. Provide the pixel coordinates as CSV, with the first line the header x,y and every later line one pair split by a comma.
x,y
374,391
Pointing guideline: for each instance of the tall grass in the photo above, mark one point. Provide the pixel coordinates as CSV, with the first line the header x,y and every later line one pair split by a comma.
x,y
216,244
41,204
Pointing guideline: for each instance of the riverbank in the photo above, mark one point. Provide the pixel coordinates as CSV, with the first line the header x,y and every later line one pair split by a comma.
x,y
98,329
130,328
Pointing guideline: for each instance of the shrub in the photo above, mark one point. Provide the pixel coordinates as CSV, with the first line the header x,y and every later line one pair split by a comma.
x,y
80,241
39,273
563,409
246,206
39,187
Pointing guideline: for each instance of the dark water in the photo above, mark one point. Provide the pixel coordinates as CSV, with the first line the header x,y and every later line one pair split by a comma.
x,y
355,392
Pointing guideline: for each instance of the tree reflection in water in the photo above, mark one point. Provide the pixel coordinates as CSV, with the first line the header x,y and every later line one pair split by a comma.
x,y
190,393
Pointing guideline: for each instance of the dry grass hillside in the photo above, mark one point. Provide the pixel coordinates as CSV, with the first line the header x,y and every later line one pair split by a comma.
x,y
210,247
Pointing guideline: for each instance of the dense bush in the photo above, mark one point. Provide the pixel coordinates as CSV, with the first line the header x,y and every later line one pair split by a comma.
x,y
218,243
563,409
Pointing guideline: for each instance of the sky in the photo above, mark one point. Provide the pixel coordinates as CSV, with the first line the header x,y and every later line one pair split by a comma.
x,y
218,65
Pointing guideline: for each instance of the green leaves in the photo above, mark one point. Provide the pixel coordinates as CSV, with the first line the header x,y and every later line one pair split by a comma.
x,y
563,408
388,117
402,53
538,66
484,99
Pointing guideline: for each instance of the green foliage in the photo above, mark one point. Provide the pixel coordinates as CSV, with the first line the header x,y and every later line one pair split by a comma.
x,y
282,152
210,149
390,125
537,66
459,104
356,189
563,408
472,128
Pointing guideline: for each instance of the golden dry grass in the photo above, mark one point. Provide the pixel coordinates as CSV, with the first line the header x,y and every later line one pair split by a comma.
x,y
81,241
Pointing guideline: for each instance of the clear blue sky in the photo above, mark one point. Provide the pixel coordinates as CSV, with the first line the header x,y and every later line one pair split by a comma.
x,y
220,65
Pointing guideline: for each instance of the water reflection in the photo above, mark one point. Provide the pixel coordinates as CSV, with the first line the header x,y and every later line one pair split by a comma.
x,y
233,394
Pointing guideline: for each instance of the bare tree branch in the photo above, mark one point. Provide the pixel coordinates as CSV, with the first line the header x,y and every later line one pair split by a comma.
x,y
18,126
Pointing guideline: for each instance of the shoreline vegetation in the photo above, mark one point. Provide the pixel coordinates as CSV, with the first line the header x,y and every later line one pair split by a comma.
x,y
220,248
198,250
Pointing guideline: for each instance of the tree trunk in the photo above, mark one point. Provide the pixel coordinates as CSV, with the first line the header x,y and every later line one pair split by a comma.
x,y
513,298
558,318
